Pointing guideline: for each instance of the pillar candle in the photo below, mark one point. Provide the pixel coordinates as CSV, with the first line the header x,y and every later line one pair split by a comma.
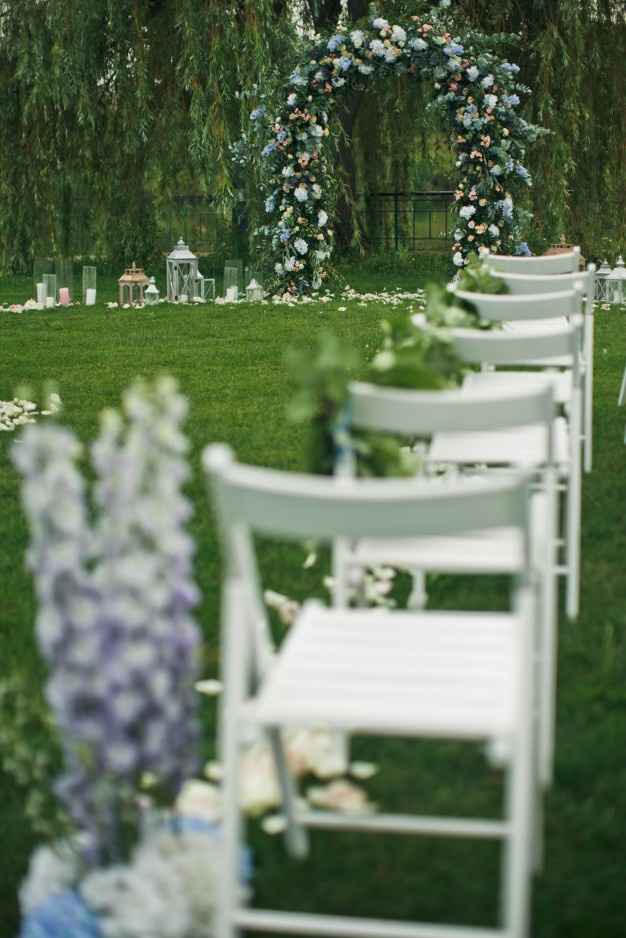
x,y
90,296
64,296
50,302
232,294
41,294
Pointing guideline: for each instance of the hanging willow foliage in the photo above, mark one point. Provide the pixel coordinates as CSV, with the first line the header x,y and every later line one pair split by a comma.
x,y
110,107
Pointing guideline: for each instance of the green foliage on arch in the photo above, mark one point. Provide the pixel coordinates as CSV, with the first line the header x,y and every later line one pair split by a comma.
x,y
477,94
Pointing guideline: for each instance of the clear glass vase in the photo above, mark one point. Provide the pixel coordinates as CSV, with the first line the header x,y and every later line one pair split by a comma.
x,y
90,276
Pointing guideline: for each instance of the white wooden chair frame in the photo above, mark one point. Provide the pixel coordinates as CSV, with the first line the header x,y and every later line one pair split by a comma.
x,y
566,263
523,284
289,505
506,348
421,413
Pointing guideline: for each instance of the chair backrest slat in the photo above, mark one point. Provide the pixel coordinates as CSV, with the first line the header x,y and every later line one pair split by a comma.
x,y
503,308
408,412
521,284
553,264
511,348
294,506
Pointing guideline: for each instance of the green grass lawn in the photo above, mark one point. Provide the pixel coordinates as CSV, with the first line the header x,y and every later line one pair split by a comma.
x,y
229,361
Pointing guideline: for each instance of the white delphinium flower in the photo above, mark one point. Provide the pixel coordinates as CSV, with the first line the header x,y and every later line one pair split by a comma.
x,y
52,870
143,900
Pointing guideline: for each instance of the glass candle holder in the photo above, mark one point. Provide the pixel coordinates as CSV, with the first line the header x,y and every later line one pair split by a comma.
x,y
238,265
50,283
64,269
209,288
89,285
41,266
231,283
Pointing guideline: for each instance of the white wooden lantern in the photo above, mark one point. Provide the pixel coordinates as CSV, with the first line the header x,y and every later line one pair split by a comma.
x,y
254,292
601,286
182,274
152,293
616,283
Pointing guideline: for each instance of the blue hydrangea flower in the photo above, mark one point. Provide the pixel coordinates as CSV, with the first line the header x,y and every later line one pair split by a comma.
x,y
297,78
454,48
285,234
257,114
335,42
61,916
522,250
512,100
268,149
345,63
505,207
522,172
510,68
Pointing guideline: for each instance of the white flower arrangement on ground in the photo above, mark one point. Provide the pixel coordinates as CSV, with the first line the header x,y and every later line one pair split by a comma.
x,y
19,412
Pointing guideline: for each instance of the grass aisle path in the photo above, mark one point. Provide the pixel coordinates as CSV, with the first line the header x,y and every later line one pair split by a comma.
x,y
229,361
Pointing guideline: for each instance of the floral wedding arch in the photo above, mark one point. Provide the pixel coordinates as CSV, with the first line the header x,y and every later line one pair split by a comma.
x,y
478,94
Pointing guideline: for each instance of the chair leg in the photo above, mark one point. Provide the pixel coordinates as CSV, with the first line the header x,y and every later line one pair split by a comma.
x,y
548,616
419,596
518,859
588,421
573,546
229,874
622,391
296,836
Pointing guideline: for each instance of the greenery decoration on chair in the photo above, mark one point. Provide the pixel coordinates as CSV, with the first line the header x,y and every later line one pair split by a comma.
x,y
409,357
478,95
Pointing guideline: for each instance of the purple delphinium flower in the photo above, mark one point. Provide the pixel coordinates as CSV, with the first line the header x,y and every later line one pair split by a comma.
x,y
115,600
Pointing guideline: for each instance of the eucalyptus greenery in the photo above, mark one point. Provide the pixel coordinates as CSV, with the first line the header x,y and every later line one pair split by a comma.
x,y
414,357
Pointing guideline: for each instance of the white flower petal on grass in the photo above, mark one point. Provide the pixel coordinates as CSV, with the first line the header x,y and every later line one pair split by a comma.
x,y
199,800
214,771
363,770
211,688
340,795
274,824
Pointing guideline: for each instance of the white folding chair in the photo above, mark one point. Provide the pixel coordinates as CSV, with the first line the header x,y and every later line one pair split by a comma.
x,y
521,448
424,413
566,263
459,675
522,284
